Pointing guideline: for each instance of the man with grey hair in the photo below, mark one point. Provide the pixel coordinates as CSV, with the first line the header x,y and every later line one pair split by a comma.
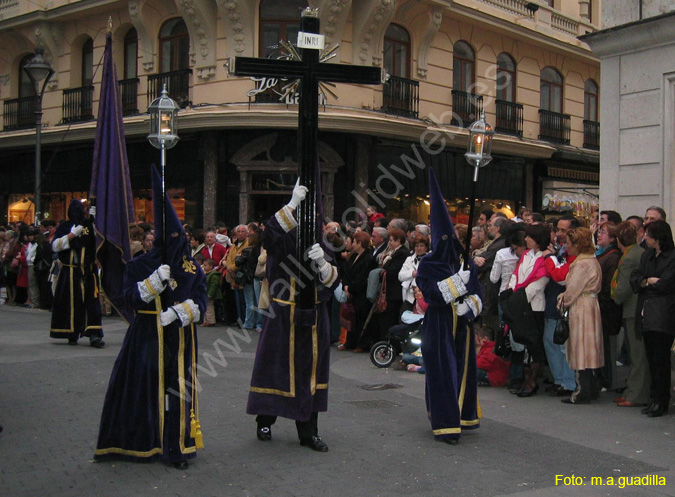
x,y
423,229
239,243
379,243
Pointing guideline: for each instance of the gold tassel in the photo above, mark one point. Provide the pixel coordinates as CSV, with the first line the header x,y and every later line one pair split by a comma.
x,y
196,430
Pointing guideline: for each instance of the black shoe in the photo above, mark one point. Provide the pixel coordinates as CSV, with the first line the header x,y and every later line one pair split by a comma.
x,y
451,441
647,409
181,465
264,433
528,393
72,342
658,410
97,343
314,443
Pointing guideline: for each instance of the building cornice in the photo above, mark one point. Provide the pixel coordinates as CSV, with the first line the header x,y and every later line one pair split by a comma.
x,y
633,37
59,12
335,120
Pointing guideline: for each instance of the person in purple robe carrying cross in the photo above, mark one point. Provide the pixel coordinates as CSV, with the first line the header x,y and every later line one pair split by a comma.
x,y
290,374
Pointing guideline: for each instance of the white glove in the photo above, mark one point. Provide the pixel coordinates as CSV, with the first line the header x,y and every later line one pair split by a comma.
x,y
76,230
299,194
167,317
463,308
164,272
464,274
317,254
92,210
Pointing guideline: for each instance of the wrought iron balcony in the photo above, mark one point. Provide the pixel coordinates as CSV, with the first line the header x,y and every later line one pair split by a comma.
x,y
554,127
401,96
129,96
19,113
466,108
177,85
591,134
78,104
509,118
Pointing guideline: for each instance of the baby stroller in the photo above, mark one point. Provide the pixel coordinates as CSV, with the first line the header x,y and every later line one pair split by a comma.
x,y
404,338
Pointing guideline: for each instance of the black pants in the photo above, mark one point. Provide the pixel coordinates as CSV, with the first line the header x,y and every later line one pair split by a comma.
x,y
306,429
657,347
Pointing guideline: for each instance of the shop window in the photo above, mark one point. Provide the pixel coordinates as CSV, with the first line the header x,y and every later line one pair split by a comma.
x,y
463,65
551,90
279,20
396,55
174,44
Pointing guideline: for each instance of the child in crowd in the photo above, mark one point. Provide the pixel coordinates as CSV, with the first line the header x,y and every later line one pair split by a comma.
x,y
212,290
492,370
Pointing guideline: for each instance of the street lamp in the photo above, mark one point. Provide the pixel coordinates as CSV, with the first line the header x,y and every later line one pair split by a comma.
x,y
163,136
37,70
477,155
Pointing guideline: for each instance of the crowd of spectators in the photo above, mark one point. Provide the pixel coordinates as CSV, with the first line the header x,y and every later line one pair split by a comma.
x,y
615,278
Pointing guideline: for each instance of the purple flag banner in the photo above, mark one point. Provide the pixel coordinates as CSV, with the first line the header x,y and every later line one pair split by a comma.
x,y
110,189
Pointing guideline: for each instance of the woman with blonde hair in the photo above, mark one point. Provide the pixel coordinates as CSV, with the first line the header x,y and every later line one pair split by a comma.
x,y
585,351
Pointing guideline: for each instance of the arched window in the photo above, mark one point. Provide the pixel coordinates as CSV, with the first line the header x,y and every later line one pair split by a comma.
x,y
463,61
551,90
279,20
87,62
174,45
130,54
590,101
26,88
397,51
506,78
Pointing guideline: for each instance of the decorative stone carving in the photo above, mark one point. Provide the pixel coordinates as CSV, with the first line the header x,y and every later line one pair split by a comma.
x,y
240,18
372,17
145,41
4,79
432,27
256,156
48,36
333,14
200,19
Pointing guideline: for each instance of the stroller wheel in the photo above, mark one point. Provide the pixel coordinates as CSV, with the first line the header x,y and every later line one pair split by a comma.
x,y
382,354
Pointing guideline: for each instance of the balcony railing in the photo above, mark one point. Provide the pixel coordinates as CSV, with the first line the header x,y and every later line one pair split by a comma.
x,y
129,96
177,85
591,134
78,104
554,127
401,96
466,108
19,113
509,118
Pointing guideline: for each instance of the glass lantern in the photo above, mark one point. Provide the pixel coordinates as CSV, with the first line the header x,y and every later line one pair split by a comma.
x,y
480,143
163,112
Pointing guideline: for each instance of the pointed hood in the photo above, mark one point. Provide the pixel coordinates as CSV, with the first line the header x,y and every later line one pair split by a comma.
x,y
177,243
76,212
445,247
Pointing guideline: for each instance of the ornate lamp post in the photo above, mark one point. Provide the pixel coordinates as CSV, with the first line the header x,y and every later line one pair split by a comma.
x,y
163,136
477,155
37,70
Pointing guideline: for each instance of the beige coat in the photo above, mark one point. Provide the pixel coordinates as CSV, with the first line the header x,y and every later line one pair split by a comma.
x,y
585,346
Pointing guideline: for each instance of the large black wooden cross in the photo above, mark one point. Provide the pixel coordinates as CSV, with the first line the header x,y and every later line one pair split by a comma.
x,y
310,72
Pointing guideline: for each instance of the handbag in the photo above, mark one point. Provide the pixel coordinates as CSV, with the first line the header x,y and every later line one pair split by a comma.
x,y
562,329
381,302
503,343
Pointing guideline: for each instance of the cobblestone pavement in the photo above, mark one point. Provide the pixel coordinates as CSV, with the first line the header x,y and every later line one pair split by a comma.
x,y
380,440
